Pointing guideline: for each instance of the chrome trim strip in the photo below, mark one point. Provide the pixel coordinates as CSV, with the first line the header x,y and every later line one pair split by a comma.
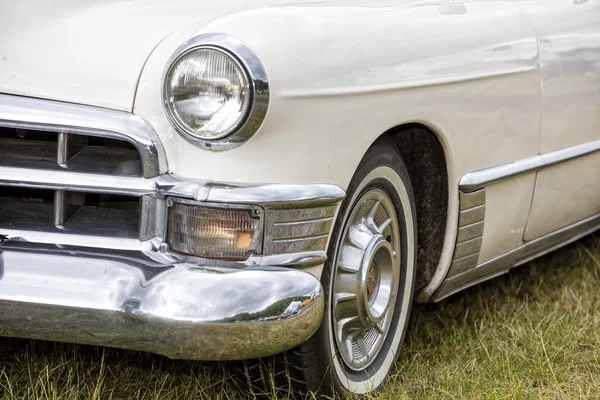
x,y
471,200
75,181
478,179
470,232
447,291
299,260
315,243
482,272
95,183
301,229
257,79
46,115
569,153
463,264
554,240
471,215
277,196
182,312
469,237
468,248
84,241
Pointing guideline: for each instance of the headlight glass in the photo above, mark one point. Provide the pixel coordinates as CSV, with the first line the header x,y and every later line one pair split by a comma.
x,y
208,93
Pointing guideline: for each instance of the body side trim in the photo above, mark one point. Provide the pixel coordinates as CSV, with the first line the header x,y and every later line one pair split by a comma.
x,y
478,179
470,232
411,84
518,256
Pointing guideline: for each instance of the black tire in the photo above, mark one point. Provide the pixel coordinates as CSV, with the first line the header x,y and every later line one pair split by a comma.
x,y
311,367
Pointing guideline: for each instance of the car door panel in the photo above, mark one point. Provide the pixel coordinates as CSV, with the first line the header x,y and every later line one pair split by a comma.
x,y
564,194
569,49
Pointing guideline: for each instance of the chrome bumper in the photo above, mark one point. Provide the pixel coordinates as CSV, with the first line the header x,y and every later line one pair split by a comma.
x,y
183,311
126,288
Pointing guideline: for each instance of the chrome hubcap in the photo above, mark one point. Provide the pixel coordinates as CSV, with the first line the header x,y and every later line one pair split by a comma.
x,y
366,279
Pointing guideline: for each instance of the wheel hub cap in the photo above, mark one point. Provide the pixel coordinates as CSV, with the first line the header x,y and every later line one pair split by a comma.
x,y
366,279
372,279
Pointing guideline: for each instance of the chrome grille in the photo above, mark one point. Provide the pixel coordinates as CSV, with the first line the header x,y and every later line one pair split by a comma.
x,y
64,211
90,214
71,181
62,151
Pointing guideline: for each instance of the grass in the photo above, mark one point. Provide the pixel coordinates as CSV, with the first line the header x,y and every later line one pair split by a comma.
x,y
531,334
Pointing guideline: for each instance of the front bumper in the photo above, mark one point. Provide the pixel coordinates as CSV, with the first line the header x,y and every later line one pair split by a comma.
x,y
183,311
87,277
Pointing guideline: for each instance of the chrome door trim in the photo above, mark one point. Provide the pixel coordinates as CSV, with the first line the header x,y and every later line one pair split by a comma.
x,y
478,179
556,157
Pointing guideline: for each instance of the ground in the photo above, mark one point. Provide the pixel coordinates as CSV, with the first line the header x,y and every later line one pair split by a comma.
x,y
531,334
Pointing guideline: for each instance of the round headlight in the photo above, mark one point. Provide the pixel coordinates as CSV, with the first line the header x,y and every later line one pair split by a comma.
x,y
208,93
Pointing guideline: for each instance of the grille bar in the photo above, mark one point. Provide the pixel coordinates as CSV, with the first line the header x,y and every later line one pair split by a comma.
x,y
77,182
24,113
59,195
62,148
59,207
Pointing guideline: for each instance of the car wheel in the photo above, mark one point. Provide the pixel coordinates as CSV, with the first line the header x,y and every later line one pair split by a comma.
x,y
369,283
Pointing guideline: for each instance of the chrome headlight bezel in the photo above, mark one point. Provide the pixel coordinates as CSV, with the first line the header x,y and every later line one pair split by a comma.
x,y
258,89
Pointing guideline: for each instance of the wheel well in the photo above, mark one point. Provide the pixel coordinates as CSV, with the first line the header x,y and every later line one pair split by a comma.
x,y
425,160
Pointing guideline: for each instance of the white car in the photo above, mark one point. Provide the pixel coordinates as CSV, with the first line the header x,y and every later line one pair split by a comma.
x,y
275,181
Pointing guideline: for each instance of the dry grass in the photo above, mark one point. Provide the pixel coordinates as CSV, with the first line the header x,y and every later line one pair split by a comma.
x,y
531,334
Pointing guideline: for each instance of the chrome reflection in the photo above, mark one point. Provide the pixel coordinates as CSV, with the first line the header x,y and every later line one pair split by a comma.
x,y
182,311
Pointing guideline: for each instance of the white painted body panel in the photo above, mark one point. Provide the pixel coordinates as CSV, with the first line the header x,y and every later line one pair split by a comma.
x,y
341,73
564,194
330,101
93,51
569,45
507,208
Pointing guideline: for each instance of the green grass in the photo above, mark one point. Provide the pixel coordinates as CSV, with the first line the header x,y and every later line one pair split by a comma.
x,y
531,334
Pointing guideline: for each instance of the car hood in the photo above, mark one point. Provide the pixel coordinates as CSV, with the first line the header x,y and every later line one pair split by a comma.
x,y
92,51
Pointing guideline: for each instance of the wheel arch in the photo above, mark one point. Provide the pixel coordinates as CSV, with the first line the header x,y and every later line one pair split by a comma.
x,y
426,157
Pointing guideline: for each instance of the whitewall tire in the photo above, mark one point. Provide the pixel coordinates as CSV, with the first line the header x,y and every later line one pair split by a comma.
x,y
369,283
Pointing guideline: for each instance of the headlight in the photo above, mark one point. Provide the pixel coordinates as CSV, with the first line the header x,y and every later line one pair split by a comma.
x,y
207,93
216,91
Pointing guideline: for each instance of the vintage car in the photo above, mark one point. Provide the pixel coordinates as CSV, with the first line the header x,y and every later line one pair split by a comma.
x,y
274,181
